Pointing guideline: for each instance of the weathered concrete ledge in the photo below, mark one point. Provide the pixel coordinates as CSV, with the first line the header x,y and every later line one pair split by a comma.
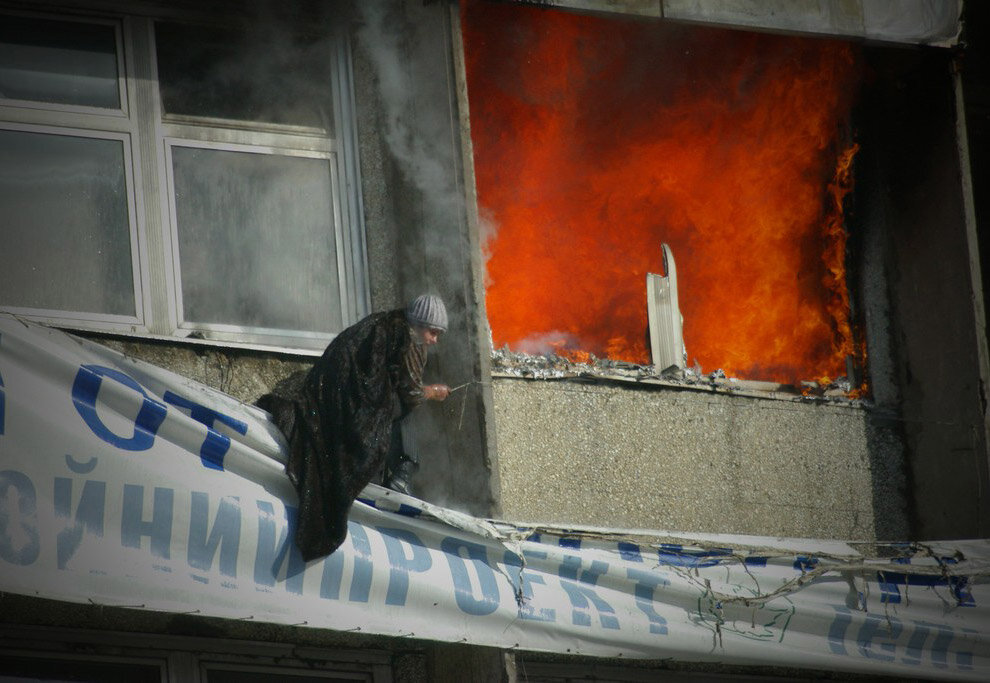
x,y
925,22
669,459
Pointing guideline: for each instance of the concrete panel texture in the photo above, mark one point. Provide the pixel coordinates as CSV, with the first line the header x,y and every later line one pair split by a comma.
x,y
923,332
837,17
415,220
245,375
906,21
605,455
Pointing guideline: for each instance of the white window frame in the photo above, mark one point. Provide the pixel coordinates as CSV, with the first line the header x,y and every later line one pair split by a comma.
x,y
112,321
149,136
223,332
122,108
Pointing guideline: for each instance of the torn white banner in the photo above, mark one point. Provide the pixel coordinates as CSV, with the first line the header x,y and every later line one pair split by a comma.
x,y
124,484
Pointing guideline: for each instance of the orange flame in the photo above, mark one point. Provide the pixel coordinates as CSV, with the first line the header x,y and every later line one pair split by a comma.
x,y
845,344
596,139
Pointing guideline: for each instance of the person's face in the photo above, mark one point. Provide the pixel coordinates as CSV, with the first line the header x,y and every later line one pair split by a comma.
x,y
428,335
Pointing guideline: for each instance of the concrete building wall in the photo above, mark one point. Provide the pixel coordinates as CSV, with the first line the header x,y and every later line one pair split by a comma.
x,y
411,127
416,222
925,22
603,454
413,210
912,465
683,460
916,255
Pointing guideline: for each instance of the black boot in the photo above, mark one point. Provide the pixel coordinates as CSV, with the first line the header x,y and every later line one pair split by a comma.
x,y
399,472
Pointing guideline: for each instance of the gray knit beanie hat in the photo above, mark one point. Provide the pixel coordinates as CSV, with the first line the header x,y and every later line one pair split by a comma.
x,y
427,310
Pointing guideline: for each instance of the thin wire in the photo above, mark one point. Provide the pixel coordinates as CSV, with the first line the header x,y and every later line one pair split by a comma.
x,y
460,420
461,386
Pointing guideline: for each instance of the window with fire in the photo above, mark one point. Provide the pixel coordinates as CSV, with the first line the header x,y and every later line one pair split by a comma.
x,y
178,179
599,138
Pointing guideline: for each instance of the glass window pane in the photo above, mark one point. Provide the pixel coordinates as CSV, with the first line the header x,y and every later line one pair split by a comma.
x,y
50,669
66,237
266,75
60,62
256,240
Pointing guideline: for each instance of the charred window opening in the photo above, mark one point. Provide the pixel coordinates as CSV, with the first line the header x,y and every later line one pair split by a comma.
x,y
597,139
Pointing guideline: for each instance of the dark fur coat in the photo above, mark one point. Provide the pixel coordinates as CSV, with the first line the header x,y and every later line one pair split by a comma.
x,y
337,419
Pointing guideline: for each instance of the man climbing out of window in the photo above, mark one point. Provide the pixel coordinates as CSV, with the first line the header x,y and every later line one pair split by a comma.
x,y
341,417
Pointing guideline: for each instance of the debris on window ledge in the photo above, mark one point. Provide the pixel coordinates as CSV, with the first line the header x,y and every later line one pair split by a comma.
x,y
550,366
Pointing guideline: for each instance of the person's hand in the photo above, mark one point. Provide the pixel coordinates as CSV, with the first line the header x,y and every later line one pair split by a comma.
x,y
436,392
